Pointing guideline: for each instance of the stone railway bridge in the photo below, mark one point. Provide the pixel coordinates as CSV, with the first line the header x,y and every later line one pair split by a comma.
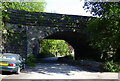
x,y
40,25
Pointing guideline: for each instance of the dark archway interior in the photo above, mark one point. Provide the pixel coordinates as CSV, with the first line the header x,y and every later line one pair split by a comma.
x,y
78,42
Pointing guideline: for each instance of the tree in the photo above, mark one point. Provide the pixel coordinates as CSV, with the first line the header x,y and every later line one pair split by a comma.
x,y
27,6
104,30
53,46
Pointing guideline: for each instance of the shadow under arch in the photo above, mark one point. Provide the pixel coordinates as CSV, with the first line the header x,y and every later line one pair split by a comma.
x,y
77,40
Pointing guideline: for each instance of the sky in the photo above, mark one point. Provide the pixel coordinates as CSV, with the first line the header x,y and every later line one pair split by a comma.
x,y
72,7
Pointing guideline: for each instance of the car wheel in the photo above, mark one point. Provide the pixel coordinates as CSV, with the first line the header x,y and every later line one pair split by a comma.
x,y
18,70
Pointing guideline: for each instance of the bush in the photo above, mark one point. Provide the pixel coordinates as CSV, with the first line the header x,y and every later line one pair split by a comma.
x,y
44,55
31,60
111,66
70,56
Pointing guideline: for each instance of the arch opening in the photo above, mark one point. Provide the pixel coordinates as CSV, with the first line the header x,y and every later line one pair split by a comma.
x,y
75,39
55,48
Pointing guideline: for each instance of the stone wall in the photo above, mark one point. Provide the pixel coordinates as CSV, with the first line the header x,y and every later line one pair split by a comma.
x,y
1,41
16,42
37,26
27,37
37,33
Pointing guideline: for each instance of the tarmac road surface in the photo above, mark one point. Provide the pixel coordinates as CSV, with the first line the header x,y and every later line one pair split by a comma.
x,y
54,70
59,71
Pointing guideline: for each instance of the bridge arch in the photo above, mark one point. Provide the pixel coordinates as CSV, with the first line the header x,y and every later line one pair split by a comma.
x,y
73,36
43,25
75,39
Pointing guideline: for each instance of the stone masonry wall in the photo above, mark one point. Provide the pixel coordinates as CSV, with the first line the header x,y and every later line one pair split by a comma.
x,y
15,42
26,36
36,33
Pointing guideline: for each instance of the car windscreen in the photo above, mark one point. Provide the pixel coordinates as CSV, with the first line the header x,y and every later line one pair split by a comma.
x,y
10,57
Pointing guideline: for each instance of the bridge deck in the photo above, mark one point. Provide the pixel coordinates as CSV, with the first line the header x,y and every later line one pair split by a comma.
x,y
45,19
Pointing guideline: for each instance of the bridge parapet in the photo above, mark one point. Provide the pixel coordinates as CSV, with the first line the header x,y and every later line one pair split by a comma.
x,y
46,19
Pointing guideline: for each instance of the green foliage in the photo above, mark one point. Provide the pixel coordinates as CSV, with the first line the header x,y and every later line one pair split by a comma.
x,y
14,36
31,60
102,9
111,66
70,56
104,30
53,46
44,55
27,6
